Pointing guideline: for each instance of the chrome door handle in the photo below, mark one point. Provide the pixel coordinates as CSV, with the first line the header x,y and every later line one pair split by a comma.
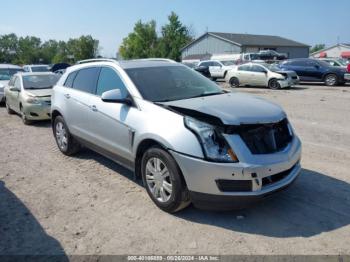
x,y
67,96
94,108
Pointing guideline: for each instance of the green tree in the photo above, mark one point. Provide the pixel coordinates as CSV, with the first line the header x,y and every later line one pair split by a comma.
x,y
28,50
317,47
48,50
141,43
175,35
84,47
8,48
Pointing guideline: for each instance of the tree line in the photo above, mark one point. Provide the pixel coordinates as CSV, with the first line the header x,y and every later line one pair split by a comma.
x,y
144,42
32,50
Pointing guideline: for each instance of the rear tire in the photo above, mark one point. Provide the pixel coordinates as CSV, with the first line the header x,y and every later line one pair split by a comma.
x,y
234,82
331,80
163,180
273,84
67,144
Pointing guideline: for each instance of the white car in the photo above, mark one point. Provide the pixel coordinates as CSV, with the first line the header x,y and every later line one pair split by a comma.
x,y
6,72
217,69
36,68
266,75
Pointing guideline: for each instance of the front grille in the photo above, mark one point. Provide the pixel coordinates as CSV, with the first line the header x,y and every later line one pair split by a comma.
x,y
266,138
276,177
225,185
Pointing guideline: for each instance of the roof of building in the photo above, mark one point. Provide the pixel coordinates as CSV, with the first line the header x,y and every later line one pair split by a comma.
x,y
252,40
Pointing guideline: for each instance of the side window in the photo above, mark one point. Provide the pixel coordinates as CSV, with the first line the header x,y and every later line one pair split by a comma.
x,y
17,83
70,79
215,64
259,69
297,63
109,80
86,80
244,68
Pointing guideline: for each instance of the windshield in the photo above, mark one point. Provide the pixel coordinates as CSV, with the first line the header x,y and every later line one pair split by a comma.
x,y
40,69
228,63
168,83
39,81
7,73
254,57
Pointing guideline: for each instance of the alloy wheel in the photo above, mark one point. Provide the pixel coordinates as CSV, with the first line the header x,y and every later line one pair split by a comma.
x,y
158,179
61,136
331,80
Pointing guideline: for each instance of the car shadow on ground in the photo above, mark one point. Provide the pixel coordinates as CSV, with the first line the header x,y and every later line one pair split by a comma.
x,y
86,153
314,204
21,234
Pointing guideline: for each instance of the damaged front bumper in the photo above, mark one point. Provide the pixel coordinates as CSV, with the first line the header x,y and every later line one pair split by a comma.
x,y
215,185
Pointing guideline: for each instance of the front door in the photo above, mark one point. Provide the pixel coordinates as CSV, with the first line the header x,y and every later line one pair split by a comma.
x,y
108,121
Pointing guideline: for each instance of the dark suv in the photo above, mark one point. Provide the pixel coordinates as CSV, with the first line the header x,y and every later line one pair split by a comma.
x,y
312,70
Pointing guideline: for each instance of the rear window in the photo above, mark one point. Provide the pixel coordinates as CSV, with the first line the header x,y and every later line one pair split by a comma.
x,y
86,80
40,69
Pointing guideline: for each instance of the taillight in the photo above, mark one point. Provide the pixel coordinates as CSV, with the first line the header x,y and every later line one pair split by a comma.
x,y
348,68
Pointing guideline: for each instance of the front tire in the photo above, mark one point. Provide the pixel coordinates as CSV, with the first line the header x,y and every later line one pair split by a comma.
x,y
234,82
65,141
163,180
24,117
331,80
273,84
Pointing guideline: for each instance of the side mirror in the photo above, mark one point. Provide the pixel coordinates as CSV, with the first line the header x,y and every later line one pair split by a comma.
x,y
115,96
14,89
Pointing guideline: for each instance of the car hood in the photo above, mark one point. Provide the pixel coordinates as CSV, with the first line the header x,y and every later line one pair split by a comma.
x,y
39,92
4,82
231,108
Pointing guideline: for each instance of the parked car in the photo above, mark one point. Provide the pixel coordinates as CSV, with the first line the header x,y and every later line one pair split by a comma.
x,y
271,55
36,68
217,69
189,140
261,74
29,94
341,62
191,65
6,72
313,70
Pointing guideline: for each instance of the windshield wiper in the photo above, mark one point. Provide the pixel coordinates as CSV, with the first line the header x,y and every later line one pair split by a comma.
x,y
34,88
207,94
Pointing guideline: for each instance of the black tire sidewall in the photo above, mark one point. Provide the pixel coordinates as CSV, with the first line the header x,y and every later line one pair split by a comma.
x,y
232,79
278,85
178,186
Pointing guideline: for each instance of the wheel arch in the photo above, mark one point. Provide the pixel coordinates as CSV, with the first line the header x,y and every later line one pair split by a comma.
x,y
143,146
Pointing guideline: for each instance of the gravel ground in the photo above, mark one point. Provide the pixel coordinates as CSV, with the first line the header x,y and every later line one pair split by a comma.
x,y
52,204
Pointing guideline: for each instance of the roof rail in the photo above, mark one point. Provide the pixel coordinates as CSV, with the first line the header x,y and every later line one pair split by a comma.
x,y
154,59
96,60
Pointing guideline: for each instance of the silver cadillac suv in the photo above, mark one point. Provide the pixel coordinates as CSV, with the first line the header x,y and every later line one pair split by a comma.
x,y
189,140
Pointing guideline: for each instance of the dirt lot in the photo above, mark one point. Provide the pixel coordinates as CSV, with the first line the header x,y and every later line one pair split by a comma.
x,y
52,204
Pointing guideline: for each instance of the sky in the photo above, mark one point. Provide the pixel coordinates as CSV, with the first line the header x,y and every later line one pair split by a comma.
x,y
307,21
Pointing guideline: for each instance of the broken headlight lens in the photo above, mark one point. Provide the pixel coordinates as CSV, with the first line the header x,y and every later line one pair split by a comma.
x,y
213,143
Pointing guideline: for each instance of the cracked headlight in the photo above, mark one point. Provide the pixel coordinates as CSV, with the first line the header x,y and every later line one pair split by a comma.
x,y
214,145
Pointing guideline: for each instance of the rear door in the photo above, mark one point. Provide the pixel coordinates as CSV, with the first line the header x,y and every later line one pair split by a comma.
x,y
108,120
77,105
243,74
